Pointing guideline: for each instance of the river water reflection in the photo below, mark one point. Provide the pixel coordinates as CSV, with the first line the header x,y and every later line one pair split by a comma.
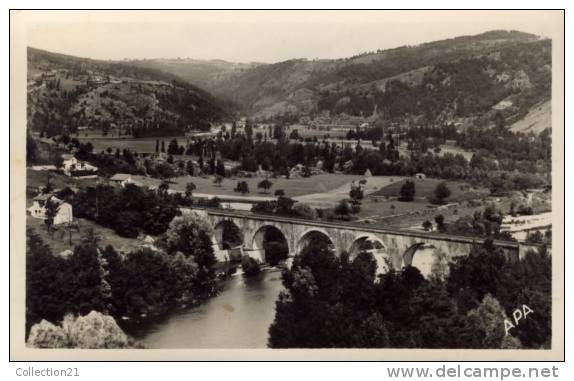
x,y
239,317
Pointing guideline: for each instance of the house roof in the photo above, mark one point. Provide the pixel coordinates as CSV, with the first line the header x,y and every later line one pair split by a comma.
x,y
67,156
120,177
42,197
48,196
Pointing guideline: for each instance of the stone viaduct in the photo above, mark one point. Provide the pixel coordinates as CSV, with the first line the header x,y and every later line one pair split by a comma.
x,y
398,246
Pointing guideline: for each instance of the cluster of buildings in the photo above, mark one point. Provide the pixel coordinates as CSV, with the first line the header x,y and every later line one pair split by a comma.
x,y
40,205
76,168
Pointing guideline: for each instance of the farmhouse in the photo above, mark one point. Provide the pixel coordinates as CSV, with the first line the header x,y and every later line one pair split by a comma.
x,y
123,179
39,208
76,168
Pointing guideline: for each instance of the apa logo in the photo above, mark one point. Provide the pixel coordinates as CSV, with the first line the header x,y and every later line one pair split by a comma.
x,y
517,315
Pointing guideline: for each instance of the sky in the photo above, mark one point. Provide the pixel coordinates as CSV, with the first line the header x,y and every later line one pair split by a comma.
x,y
261,36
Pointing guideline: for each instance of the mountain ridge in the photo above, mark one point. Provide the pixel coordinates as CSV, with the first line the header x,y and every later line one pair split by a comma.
x,y
356,85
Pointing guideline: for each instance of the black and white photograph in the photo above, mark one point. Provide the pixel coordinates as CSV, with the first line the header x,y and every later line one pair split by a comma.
x,y
276,181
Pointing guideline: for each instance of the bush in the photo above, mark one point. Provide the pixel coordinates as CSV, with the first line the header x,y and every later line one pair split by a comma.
x,y
250,266
242,187
93,331
304,211
440,193
407,192
275,252
126,224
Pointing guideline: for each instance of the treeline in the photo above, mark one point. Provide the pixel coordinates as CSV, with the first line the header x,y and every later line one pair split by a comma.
x,y
486,223
339,302
141,283
128,210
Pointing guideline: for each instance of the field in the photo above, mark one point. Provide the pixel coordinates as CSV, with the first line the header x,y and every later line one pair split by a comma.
x,y
101,143
293,187
59,240
40,179
424,189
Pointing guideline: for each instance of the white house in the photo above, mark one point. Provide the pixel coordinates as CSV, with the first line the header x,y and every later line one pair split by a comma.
x,y
74,167
123,179
38,209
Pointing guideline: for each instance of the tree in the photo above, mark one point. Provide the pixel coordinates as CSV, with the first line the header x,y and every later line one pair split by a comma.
x,y
92,331
279,192
477,274
126,223
52,208
265,185
220,168
441,193
90,288
173,147
189,188
191,234
249,130
242,187
163,188
31,149
217,180
439,219
304,211
343,210
407,192
46,282
356,193
157,146
427,226
486,324
162,146
250,266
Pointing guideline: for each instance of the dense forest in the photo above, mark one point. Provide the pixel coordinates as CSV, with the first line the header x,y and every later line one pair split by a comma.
x,y
339,302
94,278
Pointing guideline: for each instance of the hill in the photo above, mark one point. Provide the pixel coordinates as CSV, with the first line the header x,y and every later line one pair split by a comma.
x,y
198,72
436,82
66,93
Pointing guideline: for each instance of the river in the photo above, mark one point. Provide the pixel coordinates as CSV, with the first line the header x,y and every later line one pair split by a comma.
x,y
238,317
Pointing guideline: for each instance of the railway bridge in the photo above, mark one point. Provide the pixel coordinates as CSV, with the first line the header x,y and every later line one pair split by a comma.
x,y
399,246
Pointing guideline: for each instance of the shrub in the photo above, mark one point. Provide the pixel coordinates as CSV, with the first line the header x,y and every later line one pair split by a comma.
x,y
304,211
440,193
407,192
250,266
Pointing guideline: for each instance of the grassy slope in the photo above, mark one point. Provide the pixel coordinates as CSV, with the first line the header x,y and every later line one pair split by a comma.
x,y
425,187
537,119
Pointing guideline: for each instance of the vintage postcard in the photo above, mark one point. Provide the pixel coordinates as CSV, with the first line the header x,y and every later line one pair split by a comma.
x,y
287,185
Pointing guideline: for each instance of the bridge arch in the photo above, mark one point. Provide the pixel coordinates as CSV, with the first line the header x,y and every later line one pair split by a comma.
x,y
421,255
313,235
271,242
228,235
374,245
